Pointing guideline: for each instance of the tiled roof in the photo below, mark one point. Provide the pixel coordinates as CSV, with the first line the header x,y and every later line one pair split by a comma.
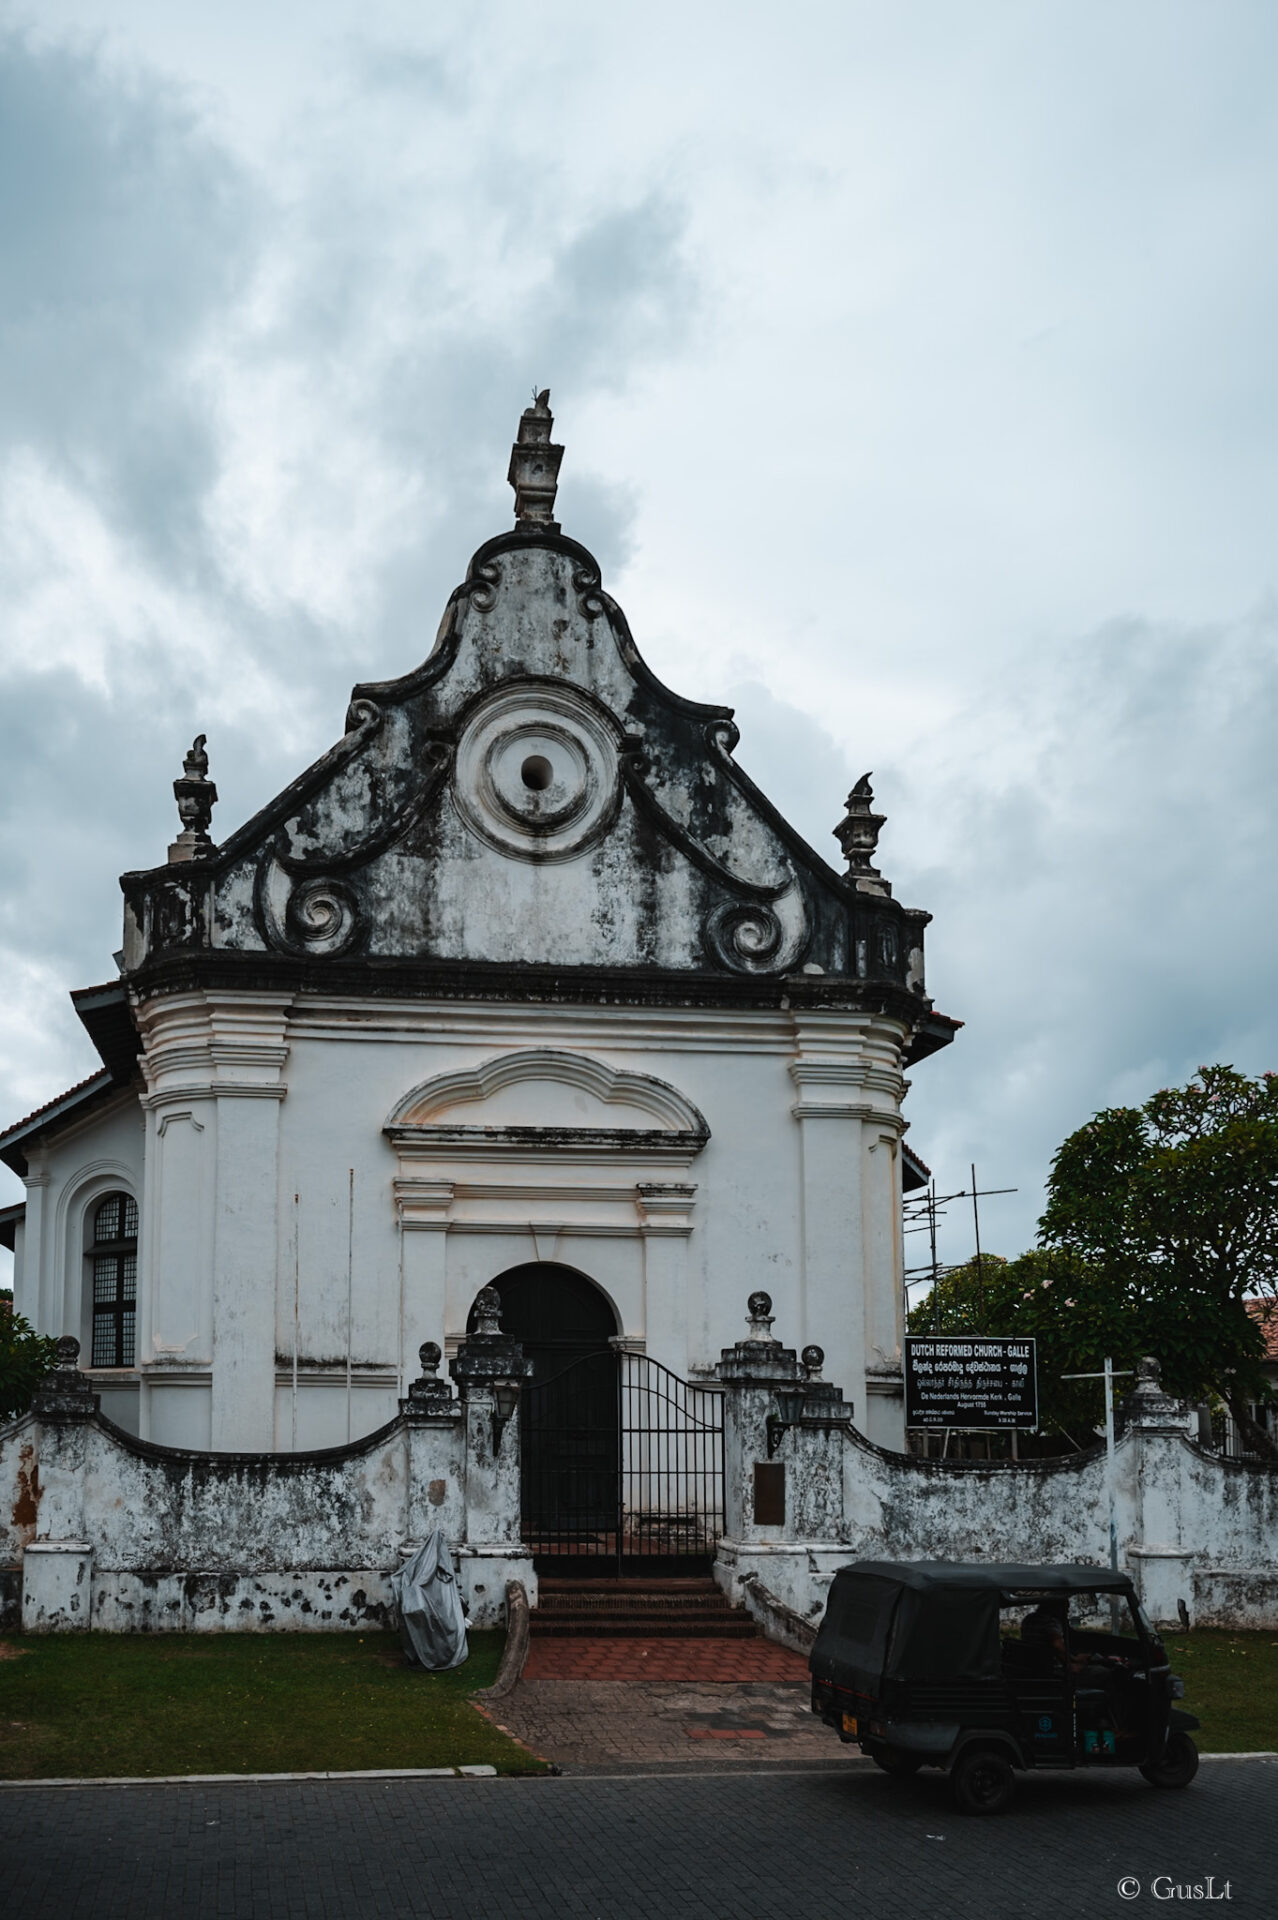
x,y
81,1090
11,1218
1267,1317
921,1164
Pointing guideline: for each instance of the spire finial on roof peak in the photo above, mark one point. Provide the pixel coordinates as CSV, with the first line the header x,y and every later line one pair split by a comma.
x,y
534,468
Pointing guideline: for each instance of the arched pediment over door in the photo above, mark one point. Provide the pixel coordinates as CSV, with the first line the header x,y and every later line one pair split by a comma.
x,y
542,1154
542,1098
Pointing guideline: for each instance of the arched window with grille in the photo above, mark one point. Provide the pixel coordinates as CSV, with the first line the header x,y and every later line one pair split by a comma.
x,y
113,1257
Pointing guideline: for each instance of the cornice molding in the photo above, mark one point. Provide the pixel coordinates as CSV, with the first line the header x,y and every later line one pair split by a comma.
x,y
212,1090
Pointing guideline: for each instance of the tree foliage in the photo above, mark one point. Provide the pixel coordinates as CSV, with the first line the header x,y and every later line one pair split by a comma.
x,y
1174,1207
1056,1300
25,1358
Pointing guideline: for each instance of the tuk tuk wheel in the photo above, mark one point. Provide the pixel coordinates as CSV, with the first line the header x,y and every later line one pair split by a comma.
x,y
982,1780
1178,1765
902,1765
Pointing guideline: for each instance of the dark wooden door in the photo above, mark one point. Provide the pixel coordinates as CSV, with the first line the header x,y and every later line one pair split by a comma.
x,y
569,1420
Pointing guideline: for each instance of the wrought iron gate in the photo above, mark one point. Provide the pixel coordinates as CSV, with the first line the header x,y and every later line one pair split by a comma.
x,y
622,1465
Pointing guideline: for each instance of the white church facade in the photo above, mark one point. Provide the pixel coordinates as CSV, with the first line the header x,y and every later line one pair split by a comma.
x,y
523,983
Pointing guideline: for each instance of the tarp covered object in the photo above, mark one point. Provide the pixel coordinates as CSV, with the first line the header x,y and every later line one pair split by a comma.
x,y
432,1626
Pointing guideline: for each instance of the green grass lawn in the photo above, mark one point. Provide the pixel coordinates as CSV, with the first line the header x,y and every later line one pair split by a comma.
x,y
1231,1683
78,1704
129,1704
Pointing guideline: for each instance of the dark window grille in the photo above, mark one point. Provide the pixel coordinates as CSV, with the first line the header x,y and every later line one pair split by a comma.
x,y
114,1260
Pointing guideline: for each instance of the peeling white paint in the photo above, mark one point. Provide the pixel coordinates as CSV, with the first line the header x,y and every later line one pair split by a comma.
x,y
1193,1525
128,1537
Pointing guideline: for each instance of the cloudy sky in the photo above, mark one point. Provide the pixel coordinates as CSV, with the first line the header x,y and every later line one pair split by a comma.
x,y
915,366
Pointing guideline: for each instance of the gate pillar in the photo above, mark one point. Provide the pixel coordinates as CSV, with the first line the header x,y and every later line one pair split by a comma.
x,y
490,1371
57,1567
783,1457
1153,1509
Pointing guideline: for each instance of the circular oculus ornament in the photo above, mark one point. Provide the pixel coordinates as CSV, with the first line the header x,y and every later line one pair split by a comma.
x,y
536,773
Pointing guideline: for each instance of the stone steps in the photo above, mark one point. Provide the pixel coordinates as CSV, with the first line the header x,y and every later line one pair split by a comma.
x,y
638,1610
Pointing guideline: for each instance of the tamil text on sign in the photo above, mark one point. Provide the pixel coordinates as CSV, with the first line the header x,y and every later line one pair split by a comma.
x,y
974,1382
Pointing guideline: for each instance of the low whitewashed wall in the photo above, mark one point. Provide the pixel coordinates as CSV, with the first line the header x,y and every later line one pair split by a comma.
x,y
1192,1526
159,1507
114,1533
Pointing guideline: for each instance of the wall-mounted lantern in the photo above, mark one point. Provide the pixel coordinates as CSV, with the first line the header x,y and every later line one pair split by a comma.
x,y
505,1404
790,1403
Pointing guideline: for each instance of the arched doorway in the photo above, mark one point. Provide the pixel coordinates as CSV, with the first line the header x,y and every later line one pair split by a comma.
x,y
569,1422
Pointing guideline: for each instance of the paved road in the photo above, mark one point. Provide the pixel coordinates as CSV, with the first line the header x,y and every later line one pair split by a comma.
x,y
805,1846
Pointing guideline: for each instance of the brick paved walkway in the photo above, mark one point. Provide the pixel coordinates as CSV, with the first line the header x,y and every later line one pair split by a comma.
x,y
807,1846
609,1726
582,1658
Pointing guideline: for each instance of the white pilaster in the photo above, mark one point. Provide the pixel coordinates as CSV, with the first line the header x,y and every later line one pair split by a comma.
x,y
424,1208
665,1213
882,1417
39,1299
846,1072
213,1064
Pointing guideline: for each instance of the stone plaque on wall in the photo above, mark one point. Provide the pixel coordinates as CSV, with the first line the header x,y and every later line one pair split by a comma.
x,y
769,1493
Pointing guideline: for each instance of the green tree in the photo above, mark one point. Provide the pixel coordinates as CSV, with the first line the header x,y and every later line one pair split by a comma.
x,y
1174,1208
1062,1304
25,1358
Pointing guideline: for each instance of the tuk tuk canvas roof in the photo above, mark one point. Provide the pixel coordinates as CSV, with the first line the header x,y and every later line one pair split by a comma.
x,y
929,1620
928,1575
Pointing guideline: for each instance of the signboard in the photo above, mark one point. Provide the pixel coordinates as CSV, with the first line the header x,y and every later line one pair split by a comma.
x,y
972,1381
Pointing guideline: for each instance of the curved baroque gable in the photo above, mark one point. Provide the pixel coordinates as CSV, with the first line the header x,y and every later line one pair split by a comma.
x,y
532,796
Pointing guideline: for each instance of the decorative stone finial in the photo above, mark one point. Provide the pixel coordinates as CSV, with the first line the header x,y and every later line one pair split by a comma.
x,y
813,1361
429,1394
759,1309
64,1394
1149,1406
487,1311
487,1358
196,797
534,469
858,835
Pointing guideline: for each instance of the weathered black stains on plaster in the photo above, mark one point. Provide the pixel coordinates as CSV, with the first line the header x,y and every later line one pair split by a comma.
x,y
382,793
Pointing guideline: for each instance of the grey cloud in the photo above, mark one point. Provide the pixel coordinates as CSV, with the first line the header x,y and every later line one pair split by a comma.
x,y
616,294
1088,828
398,68
126,228
1087,840
800,767
620,291
1097,920
134,242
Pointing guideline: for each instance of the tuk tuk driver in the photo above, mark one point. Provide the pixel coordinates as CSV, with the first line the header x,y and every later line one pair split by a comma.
x,y
1044,1629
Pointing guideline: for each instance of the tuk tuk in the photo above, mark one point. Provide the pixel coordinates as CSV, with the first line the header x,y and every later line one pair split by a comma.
x,y
982,1670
